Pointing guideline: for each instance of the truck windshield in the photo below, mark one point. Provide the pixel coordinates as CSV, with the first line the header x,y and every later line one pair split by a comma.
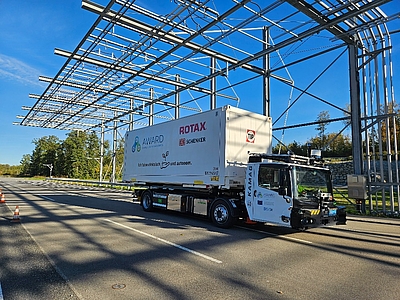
x,y
312,183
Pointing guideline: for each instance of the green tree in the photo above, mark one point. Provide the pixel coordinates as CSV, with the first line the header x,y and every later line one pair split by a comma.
x,y
45,152
294,147
323,119
25,165
78,156
336,145
93,155
394,126
8,170
74,155
120,158
339,146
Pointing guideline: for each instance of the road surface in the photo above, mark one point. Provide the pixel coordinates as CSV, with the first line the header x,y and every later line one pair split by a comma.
x,y
90,243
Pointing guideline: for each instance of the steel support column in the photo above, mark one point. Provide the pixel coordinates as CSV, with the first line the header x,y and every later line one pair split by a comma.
x,y
114,151
131,115
177,96
213,84
151,108
355,110
266,76
102,148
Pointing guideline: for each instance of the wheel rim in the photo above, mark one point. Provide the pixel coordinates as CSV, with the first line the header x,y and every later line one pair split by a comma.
x,y
221,214
146,201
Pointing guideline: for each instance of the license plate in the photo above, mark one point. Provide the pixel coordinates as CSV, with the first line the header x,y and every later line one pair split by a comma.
x,y
332,212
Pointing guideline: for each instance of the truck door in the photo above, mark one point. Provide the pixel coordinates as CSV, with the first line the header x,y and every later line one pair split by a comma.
x,y
270,197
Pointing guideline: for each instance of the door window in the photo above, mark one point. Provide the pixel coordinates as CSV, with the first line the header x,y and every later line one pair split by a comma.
x,y
272,177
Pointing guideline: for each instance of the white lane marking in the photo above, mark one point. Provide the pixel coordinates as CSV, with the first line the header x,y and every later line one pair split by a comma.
x,y
194,252
277,235
50,199
1,292
158,239
168,242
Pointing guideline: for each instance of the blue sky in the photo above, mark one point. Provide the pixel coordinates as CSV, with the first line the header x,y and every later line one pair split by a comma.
x,y
30,32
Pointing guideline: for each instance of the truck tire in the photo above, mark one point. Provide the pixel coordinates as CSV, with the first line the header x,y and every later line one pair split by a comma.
x,y
147,201
221,214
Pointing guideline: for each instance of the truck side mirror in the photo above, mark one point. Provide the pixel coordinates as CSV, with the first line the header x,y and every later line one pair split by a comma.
x,y
282,191
282,182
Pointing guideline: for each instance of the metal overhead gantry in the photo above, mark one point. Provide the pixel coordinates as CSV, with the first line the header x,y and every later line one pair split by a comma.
x,y
142,64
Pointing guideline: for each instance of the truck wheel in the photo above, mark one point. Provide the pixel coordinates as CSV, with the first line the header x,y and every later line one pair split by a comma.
x,y
221,214
147,201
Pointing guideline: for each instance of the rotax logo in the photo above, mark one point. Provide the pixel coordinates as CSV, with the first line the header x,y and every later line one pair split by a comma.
x,y
195,127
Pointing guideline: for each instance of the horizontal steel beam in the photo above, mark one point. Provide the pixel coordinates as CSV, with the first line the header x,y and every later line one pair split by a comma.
x,y
112,93
114,66
314,14
163,35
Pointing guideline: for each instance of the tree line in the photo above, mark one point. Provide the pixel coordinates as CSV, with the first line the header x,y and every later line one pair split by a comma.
x,y
78,156
339,145
331,144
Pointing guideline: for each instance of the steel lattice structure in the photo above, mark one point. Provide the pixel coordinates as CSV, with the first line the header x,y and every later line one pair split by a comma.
x,y
136,66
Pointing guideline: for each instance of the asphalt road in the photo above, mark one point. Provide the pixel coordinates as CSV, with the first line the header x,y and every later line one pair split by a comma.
x,y
77,243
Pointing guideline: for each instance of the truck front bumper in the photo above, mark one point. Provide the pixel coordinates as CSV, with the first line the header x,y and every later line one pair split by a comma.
x,y
302,218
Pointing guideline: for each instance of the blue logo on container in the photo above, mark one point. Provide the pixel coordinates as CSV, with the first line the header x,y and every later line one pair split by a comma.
x,y
136,145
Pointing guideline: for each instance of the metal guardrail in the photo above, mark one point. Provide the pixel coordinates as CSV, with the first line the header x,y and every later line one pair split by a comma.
x,y
115,185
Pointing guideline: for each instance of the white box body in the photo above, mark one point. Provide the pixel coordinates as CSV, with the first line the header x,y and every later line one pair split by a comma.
x,y
209,148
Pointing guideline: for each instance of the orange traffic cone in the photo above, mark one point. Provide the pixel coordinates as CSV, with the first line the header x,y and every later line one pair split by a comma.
x,y
248,221
3,198
16,215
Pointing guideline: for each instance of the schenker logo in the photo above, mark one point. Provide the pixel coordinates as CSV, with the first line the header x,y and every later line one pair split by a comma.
x,y
195,127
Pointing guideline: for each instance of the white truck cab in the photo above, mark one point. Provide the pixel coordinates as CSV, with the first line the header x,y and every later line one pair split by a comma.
x,y
290,191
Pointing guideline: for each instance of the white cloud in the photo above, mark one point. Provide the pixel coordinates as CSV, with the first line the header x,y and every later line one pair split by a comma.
x,y
15,70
